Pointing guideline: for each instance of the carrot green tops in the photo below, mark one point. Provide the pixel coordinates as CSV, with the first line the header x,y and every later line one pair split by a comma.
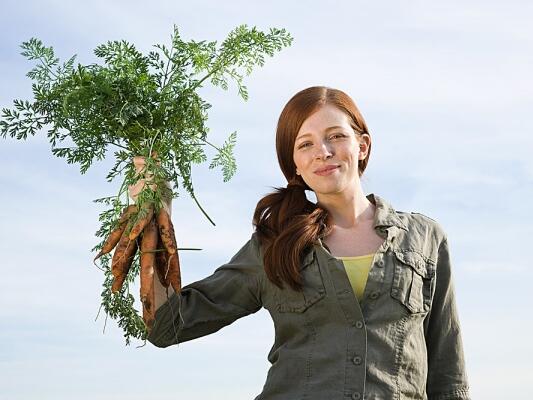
x,y
403,341
357,269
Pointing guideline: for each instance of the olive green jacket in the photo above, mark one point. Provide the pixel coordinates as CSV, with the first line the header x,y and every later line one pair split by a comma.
x,y
402,341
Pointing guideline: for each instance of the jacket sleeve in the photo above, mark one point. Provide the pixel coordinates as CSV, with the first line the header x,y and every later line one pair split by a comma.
x,y
446,379
205,306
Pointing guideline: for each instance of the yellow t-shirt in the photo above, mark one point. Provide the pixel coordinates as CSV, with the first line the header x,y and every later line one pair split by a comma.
x,y
357,269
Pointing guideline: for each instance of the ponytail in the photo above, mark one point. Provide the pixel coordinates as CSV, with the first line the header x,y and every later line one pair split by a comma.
x,y
287,226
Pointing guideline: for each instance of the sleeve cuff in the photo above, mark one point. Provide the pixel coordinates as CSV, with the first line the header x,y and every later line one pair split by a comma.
x,y
167,323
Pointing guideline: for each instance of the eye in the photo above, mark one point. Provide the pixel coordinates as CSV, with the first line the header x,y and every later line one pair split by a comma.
x,y
336,135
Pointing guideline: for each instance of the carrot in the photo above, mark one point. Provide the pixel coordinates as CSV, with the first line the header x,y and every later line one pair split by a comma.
x,y
148,212
161,261
115,235
166,230
121,262
174,273
148,257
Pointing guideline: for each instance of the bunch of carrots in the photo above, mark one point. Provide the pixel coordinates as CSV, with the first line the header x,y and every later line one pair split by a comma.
x,y
142,104
153,233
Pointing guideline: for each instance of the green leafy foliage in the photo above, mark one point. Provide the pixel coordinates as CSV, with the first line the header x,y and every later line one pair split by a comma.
x,y
142,105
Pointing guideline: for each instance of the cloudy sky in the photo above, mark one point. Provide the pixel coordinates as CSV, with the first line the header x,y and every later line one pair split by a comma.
x,y
446,90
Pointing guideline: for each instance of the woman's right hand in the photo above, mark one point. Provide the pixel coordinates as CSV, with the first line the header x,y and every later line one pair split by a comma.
x,y
134,190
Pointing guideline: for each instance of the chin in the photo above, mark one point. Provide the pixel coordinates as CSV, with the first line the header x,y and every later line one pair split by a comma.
x,y
328,189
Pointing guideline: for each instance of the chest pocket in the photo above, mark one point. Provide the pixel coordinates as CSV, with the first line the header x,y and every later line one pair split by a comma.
x,y
414,278
289,300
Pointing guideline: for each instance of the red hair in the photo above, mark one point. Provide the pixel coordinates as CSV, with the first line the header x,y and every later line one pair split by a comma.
x,y
286,222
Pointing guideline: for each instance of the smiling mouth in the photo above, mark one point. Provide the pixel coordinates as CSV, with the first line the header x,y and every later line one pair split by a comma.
x,y
327,170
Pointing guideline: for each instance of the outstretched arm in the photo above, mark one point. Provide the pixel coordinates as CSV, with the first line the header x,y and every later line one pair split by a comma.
x,y
206,306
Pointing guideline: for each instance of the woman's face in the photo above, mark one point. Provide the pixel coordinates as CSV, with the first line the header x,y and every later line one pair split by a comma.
x,y
326,139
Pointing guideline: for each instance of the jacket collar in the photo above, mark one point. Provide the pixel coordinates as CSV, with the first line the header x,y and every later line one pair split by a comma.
x,y
385,216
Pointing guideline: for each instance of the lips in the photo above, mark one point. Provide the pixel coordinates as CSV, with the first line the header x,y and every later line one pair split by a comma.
x,y
326,168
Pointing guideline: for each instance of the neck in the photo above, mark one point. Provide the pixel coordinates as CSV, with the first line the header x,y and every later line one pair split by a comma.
x,y
348,210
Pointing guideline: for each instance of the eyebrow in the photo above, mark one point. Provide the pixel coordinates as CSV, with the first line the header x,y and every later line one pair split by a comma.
x,y
327,130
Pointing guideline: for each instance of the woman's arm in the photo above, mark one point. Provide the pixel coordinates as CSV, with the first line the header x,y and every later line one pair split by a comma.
x,y
206,306
446,379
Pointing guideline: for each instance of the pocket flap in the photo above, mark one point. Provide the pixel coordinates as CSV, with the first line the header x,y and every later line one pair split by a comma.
x,y
290,300
417,261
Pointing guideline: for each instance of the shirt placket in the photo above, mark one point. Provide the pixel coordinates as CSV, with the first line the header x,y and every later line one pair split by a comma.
x,y
356,344
355,311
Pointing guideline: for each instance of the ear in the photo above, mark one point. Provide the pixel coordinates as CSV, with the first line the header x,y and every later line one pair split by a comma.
x,y
364,145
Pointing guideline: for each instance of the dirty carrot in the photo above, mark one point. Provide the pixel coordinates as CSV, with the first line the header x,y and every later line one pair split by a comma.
x,y
148,212
121,262
161,261
174,273
166,230
115,235
148,257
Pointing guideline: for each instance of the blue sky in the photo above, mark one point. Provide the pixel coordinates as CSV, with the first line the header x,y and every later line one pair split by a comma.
x,y
446,90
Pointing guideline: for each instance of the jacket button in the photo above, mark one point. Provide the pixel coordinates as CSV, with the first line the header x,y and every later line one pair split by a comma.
x,y
374,295
357,360
359,324
380,263
356,396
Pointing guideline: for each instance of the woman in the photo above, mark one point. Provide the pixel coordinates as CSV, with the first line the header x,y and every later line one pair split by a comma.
x,y
361,295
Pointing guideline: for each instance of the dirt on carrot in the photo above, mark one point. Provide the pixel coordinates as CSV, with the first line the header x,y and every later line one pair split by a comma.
x,y
148,260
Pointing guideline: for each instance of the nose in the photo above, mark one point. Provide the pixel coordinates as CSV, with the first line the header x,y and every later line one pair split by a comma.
x,y
323,151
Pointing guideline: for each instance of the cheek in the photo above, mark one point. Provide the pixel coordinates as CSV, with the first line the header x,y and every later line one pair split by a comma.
x,y
299,161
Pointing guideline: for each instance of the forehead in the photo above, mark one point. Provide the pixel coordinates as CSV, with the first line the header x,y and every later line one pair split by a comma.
x,y
325,117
